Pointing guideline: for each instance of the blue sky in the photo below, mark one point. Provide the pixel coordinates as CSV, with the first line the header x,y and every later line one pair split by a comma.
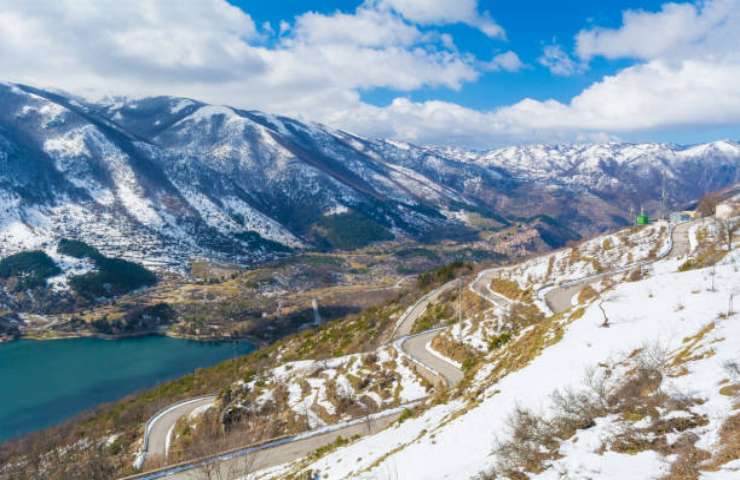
x,y
526,34
478,73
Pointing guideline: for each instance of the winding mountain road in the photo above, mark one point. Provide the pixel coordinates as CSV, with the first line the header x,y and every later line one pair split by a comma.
x,y
287,449
482,287
560,299
279,451
239,463
416,347
406,323
161,427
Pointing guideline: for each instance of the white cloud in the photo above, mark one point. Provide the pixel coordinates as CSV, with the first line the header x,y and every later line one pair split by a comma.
x,y
442,12
653,95
284,27
367,27
87,41
677,30
317,66
212,51
439,122
558,61
508,61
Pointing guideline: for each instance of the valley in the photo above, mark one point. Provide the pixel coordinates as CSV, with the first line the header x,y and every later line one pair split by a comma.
x,y
369,240
385,285
210,222
321,397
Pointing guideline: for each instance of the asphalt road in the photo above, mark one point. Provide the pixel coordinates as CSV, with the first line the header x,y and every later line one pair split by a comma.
x,y
482,286
160,428
559,299
270,454
406,323
415,347
680,240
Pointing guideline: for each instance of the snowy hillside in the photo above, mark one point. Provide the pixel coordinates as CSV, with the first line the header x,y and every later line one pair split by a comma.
x,y
638,379
165,179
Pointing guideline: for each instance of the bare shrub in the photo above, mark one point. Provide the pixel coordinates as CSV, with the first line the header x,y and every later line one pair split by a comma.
x,y
689,457
530,443
575,410
533,441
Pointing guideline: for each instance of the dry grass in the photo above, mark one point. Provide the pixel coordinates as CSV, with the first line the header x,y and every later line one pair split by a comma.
x,y
587,293
457,351
707,256
595,264
510,289
636,275
730,390
729,443
689,458
691,345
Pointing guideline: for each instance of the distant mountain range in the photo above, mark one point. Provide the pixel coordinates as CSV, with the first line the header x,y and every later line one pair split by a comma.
x,y
166,179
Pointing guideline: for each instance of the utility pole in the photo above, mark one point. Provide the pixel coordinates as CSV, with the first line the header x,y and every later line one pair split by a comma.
x,y
663,212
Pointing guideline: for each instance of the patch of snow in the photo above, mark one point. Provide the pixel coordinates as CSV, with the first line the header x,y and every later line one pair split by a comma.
x,y
181,105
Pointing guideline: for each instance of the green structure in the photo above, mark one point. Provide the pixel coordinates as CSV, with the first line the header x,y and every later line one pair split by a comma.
x,y
642,219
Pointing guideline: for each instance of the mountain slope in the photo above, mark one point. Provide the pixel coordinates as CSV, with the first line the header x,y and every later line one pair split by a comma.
x,y
165,179
639,378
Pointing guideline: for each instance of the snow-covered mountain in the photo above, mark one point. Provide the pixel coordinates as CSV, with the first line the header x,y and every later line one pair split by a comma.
x,y
165,179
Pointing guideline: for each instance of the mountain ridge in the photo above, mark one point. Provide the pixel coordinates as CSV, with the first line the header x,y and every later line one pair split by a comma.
x,y
189,179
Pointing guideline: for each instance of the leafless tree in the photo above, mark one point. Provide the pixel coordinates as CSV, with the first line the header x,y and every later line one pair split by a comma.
x,y
730,310
367,417
605,323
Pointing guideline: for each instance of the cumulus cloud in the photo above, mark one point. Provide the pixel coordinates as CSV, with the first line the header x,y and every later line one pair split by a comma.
x,y
691,79
366,27
508,61
85,43
317,66
442,12
213,51
652,95
439,122
678,30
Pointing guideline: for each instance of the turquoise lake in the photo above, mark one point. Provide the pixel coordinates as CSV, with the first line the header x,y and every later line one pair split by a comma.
x,y
45,382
